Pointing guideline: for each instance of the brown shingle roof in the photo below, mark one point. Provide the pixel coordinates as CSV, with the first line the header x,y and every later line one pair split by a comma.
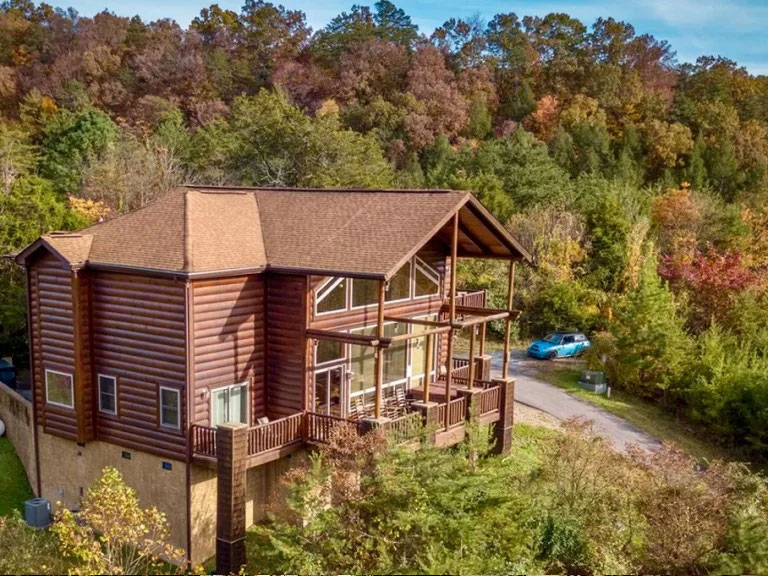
x,y
205,229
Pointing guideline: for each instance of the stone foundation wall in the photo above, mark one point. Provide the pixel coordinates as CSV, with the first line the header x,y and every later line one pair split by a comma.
x,y
67,470
16,413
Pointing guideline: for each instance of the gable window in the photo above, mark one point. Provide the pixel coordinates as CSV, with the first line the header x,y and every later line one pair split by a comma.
x,y
107,394
328,351
170,401
364,292
427,280
58,389
332,296
399,287
229,404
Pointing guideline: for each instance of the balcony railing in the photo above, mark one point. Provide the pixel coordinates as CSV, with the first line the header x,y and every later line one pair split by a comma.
x,y
489,400
276,434
319,426
457,410
267,441
476,299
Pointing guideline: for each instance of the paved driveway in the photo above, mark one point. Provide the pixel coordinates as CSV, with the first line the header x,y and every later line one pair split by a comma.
x,y
543,396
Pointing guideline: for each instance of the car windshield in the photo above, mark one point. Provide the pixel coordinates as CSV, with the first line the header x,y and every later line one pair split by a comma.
x,y
553,338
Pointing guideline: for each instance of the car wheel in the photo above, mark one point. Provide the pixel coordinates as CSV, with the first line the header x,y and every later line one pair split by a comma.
x,y
552,354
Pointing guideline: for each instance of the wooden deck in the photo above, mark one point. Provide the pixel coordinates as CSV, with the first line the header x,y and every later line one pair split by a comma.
x,y
286,435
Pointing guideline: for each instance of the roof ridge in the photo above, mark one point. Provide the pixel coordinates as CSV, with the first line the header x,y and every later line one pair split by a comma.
x,y
245,189
261,227
186,251
163,198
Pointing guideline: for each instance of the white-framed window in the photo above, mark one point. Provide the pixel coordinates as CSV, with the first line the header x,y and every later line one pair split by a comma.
x,y
59,389
426,280
419,359
415,279
362,362
329,352
331,296
170,407
107,394
230,404
365,292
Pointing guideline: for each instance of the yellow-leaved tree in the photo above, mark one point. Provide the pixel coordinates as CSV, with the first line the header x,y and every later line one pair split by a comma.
x,y
113,534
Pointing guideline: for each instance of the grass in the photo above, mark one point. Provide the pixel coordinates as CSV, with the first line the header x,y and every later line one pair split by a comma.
x,y
647,416
14,486
527,445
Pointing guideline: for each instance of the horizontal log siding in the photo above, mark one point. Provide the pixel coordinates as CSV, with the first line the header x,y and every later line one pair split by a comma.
x,y
138,327
286,345
228,331
52,334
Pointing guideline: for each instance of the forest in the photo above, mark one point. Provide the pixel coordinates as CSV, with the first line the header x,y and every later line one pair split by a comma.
x,y
638,182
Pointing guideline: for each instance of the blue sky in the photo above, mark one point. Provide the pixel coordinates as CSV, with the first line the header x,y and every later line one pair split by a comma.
x,y
735,29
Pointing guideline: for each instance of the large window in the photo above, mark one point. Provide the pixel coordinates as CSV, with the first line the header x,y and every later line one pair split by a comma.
x,y
332,296
58,389
396,356
426,280
399,287
362,364
229,404
419,353
364,292
328,351
107,394
170,407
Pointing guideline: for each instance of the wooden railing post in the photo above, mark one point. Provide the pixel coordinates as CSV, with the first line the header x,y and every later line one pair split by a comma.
x,y
471,357
504,426
428,365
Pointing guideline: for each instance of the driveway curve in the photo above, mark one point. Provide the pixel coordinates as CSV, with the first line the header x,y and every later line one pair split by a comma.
x,y
536,393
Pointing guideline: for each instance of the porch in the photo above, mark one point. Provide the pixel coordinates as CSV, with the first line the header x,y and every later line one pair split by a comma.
x,y
445,420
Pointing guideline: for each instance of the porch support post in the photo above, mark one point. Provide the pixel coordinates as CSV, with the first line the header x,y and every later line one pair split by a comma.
x,y
508,321
472,330
503,427
428,365
482,338
231,451
379,351
451,315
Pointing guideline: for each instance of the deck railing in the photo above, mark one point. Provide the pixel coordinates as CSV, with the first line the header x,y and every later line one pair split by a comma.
x,y
460,368
204,440
457,410
489,400
276,434
403,428
475,299
319,426
313,427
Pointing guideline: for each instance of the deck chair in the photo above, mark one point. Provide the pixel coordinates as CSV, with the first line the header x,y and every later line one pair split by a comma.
x,y
356,408
401,400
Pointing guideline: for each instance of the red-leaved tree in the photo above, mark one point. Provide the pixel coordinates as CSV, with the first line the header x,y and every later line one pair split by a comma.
x,y
712,279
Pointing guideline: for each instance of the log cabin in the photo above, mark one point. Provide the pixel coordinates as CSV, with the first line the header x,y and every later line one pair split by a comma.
x,y
226,331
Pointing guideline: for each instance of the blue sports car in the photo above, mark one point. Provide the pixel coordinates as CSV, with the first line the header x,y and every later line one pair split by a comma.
x,y
559,345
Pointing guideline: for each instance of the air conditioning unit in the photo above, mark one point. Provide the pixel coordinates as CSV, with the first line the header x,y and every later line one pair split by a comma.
x,y
37,512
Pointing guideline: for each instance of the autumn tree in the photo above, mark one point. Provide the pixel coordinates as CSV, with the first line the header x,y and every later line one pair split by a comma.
x,y
112,534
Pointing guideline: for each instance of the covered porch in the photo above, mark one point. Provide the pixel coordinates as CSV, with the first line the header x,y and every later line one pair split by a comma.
x,y
471,233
